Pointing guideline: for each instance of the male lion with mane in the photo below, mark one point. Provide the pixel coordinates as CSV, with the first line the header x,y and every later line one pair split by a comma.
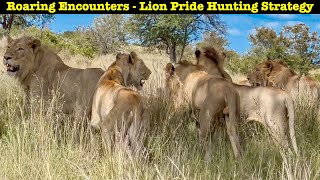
x,y
284,78
267,105
41,72
116,108
208,95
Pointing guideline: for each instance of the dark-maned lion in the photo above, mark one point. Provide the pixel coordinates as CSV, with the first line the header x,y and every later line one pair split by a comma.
x,y
216,68
258,79
284,78
267,105
208,95
41,71
116,108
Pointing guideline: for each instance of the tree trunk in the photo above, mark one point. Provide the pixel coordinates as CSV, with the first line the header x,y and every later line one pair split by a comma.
x,y
10,22
7,21
173,53
4,23
185,39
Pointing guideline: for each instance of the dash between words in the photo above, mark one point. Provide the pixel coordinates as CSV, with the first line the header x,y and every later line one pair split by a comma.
x,y
175,6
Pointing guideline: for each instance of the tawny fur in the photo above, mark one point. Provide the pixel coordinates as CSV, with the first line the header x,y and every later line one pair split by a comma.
x,y
207,95
284,78
116,108
269,106
42,72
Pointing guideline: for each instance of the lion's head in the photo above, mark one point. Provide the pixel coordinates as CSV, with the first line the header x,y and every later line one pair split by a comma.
x,y
212,61
274,71
264,68
171,80
133,69
175,75
257,78
20,56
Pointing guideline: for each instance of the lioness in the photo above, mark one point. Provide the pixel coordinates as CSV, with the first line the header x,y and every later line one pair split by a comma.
x,y
41,71
269,106
116,108
208,95
283,77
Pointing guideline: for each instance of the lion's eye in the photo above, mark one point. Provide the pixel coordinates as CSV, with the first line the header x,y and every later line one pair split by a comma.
x,y
19,49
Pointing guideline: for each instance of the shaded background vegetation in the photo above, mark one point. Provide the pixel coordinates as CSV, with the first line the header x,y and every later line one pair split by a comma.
x,y
177,35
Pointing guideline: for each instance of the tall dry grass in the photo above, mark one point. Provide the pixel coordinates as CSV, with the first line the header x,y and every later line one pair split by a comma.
x,y
39,142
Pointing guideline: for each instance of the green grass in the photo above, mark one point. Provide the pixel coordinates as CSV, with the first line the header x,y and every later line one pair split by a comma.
x,y
39,143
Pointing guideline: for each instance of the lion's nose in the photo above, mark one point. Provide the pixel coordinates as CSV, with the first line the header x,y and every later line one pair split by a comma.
x,y
6,57
248,77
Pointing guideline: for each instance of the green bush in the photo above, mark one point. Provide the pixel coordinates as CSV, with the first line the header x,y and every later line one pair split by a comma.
x,y
76,42
243,65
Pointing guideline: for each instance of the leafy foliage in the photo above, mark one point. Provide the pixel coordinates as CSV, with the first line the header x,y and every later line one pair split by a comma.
x,y
77,42
294,44
108,32
172,30
24,20
213,39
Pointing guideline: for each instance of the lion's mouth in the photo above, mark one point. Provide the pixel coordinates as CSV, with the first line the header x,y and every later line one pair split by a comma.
x,y
12,68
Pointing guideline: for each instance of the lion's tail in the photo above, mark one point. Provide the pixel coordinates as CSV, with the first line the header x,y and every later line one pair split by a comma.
x,y
290,110
233,99
233,104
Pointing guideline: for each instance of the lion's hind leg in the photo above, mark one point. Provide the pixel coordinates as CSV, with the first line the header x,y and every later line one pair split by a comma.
x,y
137,131
204,129
114,127
277,128
231,126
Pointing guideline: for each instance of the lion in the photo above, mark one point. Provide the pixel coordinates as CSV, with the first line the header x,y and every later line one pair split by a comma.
x,y
207,95
41,72
267,105
133,69
116,108
284,78
258,79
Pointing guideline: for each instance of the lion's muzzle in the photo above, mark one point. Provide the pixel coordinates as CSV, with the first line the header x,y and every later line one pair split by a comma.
x,y
7,61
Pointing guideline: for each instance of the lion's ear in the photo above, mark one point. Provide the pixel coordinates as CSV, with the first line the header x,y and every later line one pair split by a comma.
x,y
223,58
223,55
197,53
9,39
269,65
132,57
35,44
119,54
169,69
